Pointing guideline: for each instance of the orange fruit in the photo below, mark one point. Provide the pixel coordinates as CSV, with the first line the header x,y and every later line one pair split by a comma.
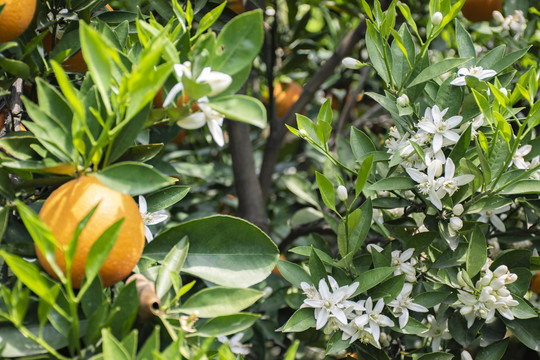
x,y
480,10
69,204
535,283
236,5
15,18
2,119
276,270
286,94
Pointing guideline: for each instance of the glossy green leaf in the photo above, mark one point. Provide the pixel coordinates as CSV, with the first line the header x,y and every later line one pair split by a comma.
x,y
372,278
220,248
227,324
361,143
493,351
173,262
167,197
293,273
477,252
527,331
133,178
13,344
316,268
437,69
301,320
393,183
220,301
327,190
241,108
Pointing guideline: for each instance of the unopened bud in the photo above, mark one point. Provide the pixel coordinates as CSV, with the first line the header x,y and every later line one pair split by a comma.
x,y
465,355
352,63
498,17
403,100
456,223
458,209
303,133
342,193
437,18
500,271
504,91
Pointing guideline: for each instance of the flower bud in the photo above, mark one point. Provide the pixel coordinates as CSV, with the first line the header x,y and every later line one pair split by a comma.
x,y
504,91
342,193
403,100
303,133
458,209
500,271
456,223
437,18
465,355
352,63
498,17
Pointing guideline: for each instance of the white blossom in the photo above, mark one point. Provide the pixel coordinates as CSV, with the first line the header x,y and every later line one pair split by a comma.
x,y
235,345
450,183
518,159
487,216
403,303
217,81
438,331
434,123
328,301
428,184
207,116
404,263
374,318
475,71
456,223
152,218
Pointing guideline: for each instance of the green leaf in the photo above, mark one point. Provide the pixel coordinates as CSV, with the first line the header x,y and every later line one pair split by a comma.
x,y
99,251
465,45
431,298
112,348
301,320
15,67
97,56
133,178
389,289
523,310
363,175
141,153
358,234
209,18
327,190
301,188
316,267
372,278
13,344
242,108
436,356
493,351
167,197
173,262
293,273
509,59
227,324
30,276
527,331
239,46
291,352
477,252
361,143
522,187
124,310
393,183
220,248
436,69
220,301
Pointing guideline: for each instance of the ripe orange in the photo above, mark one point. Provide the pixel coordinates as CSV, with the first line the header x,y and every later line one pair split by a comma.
x,y
69,204
535,283
15,18
236,5
480,10
286,94
276,270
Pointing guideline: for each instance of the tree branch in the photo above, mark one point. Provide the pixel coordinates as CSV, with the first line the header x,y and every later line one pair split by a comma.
x,y
273,144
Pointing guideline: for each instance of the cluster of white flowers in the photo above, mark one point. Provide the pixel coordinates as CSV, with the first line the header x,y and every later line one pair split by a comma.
x,y
218,83
433,134
489,295
358,320
515,22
